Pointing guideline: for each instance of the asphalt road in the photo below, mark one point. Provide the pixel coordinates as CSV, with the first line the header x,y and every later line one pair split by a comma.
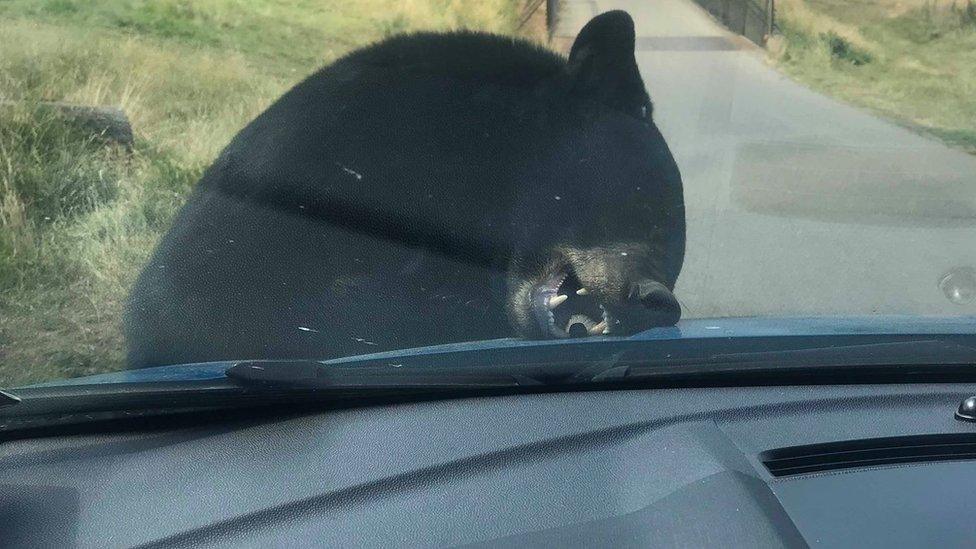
x,y
797,204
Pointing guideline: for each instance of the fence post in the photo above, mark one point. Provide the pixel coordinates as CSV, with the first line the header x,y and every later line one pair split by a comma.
x,y
770,9
548,19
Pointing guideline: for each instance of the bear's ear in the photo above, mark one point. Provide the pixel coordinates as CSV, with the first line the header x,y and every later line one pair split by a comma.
x,y
602,65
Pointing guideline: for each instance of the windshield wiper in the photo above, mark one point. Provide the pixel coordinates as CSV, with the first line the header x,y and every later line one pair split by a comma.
x,y
884,361
316,375
569,367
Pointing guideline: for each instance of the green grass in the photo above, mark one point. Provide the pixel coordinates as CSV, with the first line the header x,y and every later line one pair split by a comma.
x,y
279,34
77,217
912,61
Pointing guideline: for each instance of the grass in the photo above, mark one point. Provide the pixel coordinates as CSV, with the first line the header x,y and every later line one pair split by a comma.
x,y
78,217
912,61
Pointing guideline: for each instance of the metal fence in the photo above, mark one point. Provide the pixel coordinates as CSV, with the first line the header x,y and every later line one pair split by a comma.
x,y
754,19
552,6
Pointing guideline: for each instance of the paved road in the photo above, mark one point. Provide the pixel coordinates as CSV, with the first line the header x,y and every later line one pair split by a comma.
x,y
797,204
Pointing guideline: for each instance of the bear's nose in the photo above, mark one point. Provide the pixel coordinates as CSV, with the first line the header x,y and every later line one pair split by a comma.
x,y
659,298
656,297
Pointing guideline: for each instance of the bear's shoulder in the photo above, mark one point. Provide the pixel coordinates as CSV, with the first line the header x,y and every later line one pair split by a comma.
x,y
462,55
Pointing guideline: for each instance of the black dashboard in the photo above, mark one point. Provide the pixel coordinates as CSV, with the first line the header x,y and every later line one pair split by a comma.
x,y
832,466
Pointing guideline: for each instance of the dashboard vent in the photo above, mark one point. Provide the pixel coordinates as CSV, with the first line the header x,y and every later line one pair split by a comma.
x,y
831,456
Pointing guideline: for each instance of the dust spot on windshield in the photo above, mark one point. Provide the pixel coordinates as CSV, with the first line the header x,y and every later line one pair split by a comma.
x,y
350,171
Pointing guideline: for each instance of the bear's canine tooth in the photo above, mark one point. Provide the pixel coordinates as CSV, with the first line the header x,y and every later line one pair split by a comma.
x,y
601,328
556,301
582,291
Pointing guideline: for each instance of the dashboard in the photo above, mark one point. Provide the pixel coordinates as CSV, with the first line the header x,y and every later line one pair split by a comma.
x,y
835,466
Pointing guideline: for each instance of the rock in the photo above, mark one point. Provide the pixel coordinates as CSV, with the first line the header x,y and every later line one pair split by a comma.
x,y
109,124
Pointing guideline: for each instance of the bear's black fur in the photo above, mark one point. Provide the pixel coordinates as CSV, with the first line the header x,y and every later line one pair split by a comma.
x,y
430,188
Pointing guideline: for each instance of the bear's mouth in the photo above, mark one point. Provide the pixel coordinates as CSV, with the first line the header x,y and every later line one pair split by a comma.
x,y
564,308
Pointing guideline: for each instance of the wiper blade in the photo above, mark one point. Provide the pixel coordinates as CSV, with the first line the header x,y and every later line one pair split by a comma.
x,y
619,360
310,374
918,356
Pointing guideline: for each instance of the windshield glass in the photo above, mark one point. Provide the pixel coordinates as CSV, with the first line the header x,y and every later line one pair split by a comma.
x,y
222,180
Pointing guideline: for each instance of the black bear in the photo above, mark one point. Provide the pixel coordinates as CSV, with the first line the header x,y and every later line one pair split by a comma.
x,y
430,188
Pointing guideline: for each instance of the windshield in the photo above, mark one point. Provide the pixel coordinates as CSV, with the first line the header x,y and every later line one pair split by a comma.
x,y
227,180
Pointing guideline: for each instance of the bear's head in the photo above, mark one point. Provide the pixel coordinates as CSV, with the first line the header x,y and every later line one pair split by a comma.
x,y
602,225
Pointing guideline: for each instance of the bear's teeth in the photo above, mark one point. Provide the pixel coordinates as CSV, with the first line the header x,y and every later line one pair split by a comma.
x,y
582,291
601,328
556,301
